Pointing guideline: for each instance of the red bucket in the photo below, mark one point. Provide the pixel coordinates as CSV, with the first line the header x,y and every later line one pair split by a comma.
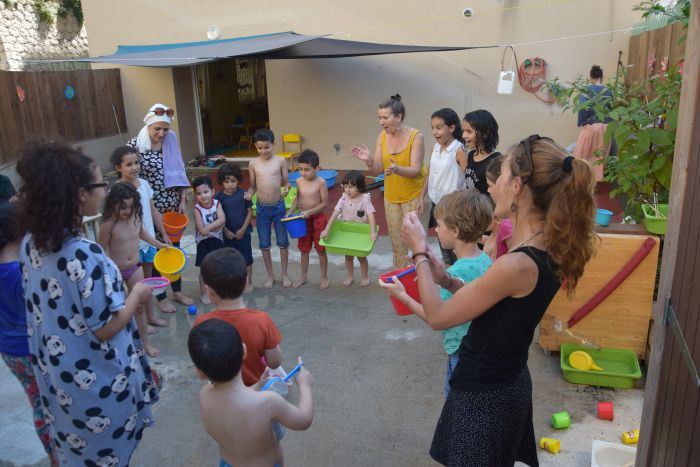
x,y
408,278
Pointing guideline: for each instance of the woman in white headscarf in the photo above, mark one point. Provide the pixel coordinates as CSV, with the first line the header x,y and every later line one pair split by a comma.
x,y
162,167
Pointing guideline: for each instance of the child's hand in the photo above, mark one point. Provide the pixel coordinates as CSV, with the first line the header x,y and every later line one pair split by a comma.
x,y
229,235
284,191
304,378
324,233
142,291
162,245
394,288
239,233
168,242
247,196
373,236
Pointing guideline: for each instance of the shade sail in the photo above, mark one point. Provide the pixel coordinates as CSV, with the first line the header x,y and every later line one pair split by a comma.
x,y
283,45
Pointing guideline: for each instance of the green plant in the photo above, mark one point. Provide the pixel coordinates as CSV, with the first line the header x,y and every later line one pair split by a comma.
x,y
10,3
46,14
678,11
44,11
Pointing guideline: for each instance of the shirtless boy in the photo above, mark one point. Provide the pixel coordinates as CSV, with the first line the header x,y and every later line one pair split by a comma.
x,y
267,174
312,198
238,417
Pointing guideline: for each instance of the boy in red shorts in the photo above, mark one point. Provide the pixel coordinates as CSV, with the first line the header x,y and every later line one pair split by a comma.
x,y
312,199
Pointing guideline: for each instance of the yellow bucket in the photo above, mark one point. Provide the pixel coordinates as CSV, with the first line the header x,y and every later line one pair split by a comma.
x,y
170,262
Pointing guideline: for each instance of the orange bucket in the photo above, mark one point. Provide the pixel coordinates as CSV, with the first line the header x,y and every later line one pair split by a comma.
x,y
175,224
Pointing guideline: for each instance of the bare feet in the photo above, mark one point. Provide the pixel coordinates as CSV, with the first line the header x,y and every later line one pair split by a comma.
x,y
269,282
182,298
364,282
151,351
324,284
286,283
158,322
301,281
205,299
150,330
166,306
248,287
347,282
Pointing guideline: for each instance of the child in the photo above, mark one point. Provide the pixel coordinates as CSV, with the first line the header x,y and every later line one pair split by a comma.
x,y
500,241
267,174
224,275
121,229
480,133
240,419
238,212
448,163
209,220
355,206
14,340
312,198
461,218
125,161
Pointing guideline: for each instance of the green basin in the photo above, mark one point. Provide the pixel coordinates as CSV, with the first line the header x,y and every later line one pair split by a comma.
x,y
349,238
620,367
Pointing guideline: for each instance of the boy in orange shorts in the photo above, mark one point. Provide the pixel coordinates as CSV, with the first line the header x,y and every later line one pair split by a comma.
x,y
312,198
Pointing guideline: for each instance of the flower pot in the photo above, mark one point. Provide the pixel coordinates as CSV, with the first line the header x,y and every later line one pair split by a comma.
x,y
653,222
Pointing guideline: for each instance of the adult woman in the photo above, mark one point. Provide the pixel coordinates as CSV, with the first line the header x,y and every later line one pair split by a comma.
x,y
93,376
163,169
590,137
487,418
399,154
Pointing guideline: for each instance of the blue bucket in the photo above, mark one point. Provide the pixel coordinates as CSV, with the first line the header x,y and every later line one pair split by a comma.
x,y
602,217
329,176
296,226
293,178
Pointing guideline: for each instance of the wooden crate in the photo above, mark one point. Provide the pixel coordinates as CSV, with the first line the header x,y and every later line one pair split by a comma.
x,y
622,319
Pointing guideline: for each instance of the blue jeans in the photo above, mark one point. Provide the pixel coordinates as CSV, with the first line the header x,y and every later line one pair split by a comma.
x,y
266,216
451,365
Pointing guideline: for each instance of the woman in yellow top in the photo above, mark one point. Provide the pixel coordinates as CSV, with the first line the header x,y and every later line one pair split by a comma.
x,y
399,154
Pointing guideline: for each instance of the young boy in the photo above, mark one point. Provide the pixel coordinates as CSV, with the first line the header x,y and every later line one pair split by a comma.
x,y
238,212
209,219
224,275
267,174
237,417
462,216
312,198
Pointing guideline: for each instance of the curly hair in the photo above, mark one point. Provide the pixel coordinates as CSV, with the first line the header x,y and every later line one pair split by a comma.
x,y
116,200
468,211
53,173
565,198
486,129
229,170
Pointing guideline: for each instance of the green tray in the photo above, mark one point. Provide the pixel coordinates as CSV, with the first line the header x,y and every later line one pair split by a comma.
x,y
620,367
349,238
653,223
288,200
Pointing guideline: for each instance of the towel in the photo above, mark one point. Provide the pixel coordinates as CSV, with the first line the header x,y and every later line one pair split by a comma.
x,y
173,166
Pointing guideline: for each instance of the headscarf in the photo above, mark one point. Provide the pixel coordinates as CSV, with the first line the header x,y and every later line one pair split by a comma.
x,y
143,140
173,165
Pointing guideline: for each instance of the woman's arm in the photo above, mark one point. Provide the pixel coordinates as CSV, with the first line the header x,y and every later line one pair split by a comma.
x,y
182,207
374,162
158,223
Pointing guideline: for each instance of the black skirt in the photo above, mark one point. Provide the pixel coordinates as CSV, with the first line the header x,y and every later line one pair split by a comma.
x,y
487,428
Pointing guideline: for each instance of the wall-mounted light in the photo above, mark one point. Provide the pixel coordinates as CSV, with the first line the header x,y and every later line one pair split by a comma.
x,y
213,32
467,13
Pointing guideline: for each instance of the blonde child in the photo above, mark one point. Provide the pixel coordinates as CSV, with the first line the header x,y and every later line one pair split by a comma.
x,y
448,162
267,174
312,198
501,239
355,206
125,161
209,220
121,229
461,218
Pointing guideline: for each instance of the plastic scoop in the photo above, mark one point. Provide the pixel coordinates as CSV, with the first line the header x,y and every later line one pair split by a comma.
x,y
156,284
279,384
582,361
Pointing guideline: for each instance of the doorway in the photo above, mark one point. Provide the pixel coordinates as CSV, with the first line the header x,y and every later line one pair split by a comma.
x,y
233,104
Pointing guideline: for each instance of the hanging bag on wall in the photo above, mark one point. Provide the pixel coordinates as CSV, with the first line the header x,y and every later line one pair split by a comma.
x,y
506,78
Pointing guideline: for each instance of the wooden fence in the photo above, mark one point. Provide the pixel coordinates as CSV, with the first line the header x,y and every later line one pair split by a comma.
x,y
34,104
650,51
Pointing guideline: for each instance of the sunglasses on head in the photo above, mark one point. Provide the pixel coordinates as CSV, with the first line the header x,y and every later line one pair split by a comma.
x,y
102,184
527,144
160,111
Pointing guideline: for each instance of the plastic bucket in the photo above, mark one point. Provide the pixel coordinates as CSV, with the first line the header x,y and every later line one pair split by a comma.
x,y
175,224
296,226
170,262
407,276
602,217
605,411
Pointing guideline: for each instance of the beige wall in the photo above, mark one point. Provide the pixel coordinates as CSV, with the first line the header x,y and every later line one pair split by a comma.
x,y
334,100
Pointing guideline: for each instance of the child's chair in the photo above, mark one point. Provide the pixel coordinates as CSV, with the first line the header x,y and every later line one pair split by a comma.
x,y
291,139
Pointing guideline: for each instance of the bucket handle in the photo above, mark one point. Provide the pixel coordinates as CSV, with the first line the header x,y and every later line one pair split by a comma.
x,y
292,218
400,275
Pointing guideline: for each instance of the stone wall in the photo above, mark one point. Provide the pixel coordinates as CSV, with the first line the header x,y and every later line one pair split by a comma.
x,y
24,37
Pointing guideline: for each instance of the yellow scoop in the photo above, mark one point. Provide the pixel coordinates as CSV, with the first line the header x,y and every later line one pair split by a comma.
x,y
582,361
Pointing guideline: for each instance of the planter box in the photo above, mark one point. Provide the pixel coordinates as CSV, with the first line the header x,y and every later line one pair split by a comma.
x,y
653,223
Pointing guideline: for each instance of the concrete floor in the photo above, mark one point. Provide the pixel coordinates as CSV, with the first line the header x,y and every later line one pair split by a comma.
x,y
377,392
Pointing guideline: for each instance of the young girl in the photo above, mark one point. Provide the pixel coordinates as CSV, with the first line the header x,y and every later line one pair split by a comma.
x,y
125,161
354,206
501,239
448,163
120,232
461,218
14,340
480,132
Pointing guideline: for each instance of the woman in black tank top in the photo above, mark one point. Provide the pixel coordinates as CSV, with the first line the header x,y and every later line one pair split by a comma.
x,y
487,418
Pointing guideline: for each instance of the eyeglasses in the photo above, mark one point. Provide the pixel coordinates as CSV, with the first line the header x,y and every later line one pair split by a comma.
x,y
91,186
527,142
160,111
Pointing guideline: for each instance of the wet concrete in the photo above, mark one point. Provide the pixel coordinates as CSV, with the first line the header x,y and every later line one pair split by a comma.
x,y
377,391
